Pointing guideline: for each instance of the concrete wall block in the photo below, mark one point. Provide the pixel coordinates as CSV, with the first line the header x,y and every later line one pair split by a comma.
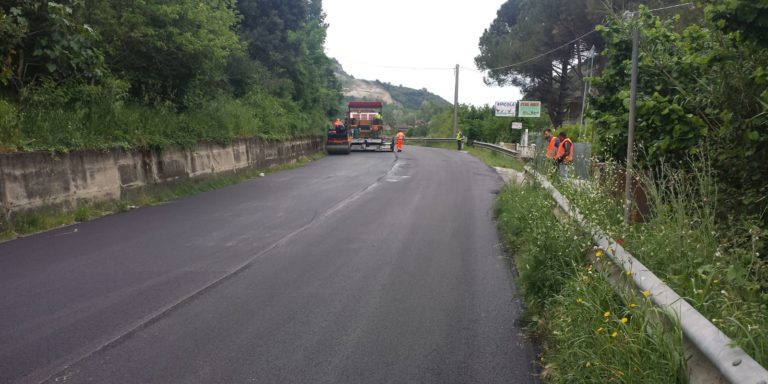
x,y
35,179
39,180
94,176
240,154
222,158
171,165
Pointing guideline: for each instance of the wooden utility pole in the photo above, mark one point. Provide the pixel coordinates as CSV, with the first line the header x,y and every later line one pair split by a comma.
x,y
456,104
632,118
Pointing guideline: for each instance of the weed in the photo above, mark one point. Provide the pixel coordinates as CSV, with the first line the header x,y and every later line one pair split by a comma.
x,y
710,260
589,332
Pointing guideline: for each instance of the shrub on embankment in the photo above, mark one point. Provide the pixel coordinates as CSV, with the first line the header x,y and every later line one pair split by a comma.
x,y
713,262
100,119
108,73
588,332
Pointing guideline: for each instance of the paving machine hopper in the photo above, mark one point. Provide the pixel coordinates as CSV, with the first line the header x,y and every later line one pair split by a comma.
x,y
366,126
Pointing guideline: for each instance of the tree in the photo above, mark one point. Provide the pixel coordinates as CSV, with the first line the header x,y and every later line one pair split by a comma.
x,y
700,90
287,37
522,30
44,39
541,46
167,50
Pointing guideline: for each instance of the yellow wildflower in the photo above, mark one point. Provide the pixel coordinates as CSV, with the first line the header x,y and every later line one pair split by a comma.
x,y
633,305
607,314
629,273
599,330
614,334
578,300
624,320
599,253
646,293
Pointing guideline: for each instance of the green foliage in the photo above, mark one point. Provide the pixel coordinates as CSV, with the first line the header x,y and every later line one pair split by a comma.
x,y
549,42
80,74
589,332
44,39
698,89
524,29
167,50
9,125
481,124
494,159
93,124
748,17
414,99
711,261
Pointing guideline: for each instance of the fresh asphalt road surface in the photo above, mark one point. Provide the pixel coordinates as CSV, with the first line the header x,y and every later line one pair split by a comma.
x,y
368,268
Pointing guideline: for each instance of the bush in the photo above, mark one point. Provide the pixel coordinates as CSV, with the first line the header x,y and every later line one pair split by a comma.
x,y
589,332
10,134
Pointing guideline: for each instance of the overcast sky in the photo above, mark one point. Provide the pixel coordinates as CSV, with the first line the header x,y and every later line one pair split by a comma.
x,y
368,36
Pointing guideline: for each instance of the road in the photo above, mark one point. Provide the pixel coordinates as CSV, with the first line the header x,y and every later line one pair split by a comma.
x,y
368,268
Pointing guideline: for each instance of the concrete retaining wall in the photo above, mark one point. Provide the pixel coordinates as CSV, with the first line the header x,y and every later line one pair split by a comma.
x,y
37,180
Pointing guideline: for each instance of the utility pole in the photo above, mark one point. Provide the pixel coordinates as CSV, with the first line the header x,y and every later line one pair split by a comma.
x,y
456,104
586,90
632,118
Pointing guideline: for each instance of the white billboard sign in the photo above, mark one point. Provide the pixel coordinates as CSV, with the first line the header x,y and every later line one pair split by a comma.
x,y
506,108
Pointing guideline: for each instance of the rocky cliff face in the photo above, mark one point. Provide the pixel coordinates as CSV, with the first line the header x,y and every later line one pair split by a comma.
x,y
357,89
361,89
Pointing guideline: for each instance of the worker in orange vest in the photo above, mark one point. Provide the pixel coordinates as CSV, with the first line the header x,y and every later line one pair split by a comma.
x,y
399,140
564,156
552,144
337,123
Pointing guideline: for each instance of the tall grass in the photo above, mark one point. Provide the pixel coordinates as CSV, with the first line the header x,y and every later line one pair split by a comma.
x,y
55,120
710,259
589,332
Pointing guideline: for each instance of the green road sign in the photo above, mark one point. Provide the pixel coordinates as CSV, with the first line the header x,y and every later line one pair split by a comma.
x,y
529,109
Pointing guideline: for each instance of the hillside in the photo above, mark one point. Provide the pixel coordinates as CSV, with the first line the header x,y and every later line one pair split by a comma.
x,y
357,89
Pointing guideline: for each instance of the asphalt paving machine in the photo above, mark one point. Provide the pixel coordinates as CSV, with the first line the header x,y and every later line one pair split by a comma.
x,y
366,126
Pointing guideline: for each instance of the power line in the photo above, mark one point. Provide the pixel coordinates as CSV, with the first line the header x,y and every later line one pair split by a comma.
x,y
543,54
553,50
571,42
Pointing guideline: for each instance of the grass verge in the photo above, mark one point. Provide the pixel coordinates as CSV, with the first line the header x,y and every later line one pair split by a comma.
x,y
713,262
589,333
492,158
25,224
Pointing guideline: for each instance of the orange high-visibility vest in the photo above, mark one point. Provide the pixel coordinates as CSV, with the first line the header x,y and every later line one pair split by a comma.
x,y
561,151
400,136
551,148
337,123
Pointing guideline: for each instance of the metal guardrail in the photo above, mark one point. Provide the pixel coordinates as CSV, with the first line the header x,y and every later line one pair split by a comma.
x,y
496,148
733,363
